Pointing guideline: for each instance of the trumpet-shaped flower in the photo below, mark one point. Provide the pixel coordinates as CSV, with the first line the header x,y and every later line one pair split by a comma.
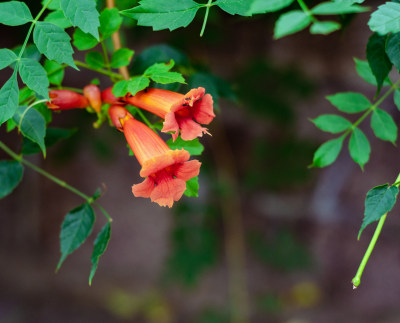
x,y
108,97
65,100
93,94
165,170
182,113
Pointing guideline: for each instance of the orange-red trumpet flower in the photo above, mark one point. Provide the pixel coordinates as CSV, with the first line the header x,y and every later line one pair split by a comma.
x,y
65,99
93,94
108,97
166,171
181,112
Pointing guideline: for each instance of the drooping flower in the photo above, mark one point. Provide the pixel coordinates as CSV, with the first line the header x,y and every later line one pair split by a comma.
x,y
65,100
165,170
93,94
108,97
182,113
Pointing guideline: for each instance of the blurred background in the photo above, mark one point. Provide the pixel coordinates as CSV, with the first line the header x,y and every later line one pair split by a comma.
x,y
267,237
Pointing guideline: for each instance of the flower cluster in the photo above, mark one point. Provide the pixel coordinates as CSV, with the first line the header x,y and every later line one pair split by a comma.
x,y
165,170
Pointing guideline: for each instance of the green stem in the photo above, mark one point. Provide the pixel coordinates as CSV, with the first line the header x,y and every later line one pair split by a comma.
x,y
306,10
357,278
205,18
56,180
106,59
99,70
146,121
73,89
21,52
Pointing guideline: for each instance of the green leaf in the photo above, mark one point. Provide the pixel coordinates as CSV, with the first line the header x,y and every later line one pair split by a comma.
x,y
84,41
55,72
53,5
332,123
349,102
14,13
336,8
6,57
94,59
9,98
11,172
156,14
10,125
100,246
386,19
110,21
32,125
262,6
53,42
393,49
24,94
235,7
396,99
44,111
383,125
34,76
53,135
121,57
359,147
194,147
132,86
324,27
192,187
58,18
290,23
378,202
328,152
378,59
160,73
76,227
82,14
364,71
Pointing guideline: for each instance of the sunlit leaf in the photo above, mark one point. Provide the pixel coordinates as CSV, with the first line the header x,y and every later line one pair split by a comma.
x,y
349,102
383,125
290,23
328,152
359,147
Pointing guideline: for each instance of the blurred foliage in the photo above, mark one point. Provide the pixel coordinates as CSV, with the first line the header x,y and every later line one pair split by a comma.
x,y
278,164
280,250
271,91
195,243
213,316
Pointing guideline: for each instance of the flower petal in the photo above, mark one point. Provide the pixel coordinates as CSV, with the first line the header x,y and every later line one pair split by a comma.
x,y
167,191
171,157
190,129
203,110
144,188
170,124
188,170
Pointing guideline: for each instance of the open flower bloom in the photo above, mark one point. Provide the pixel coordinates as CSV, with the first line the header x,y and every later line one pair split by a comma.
x,y
65,100
165,170
181,112
93,94
108,97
